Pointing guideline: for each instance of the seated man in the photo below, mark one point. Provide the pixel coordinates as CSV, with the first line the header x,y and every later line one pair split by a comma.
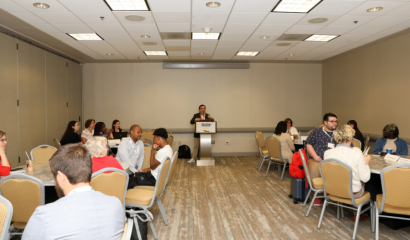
x,y
81,212
391,140
149,176
131,150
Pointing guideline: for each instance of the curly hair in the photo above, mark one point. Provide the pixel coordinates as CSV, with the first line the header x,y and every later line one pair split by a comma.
x,y
96,145
344,134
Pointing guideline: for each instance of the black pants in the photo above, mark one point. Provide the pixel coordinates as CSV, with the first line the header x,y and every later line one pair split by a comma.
x,y
141,179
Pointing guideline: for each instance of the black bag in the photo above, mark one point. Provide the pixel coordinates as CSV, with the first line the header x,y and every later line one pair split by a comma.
x,y
145,179
184,151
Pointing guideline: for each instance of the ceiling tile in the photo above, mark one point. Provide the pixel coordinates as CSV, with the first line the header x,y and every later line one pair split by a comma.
x,y
254,5
365,31
59,17
403,10
246,17
200,6
170,6
98,46
336,30
269,53
95,17
231,28
28,17
348,21
179,57
277,44
107,28
230,43
234,37
250,48
116,37
204,43
172,17
200,57
387,21
243,58
55,6
77,6
142,43
151,48
256,37
73,28
146,27
221,57
215,28
283,18
174,27
179,53
303,29
226,50
10,6
346,39
210,17
271,29
305,20
116,55
47,28
177,42
154,36
255,43
336,7
157,57
62,36
178,48
361,10
207,50
120,15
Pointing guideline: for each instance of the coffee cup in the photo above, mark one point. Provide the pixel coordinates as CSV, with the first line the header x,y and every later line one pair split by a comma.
x,y
30,165
389,150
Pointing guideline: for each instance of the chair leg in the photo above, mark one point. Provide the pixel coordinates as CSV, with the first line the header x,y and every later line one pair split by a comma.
x,y
311,204
338,212
371,216
304,203
283,171
260,165
153,230
169,199
162,210
341,211
376,210
268,168
323,213
359,209
259,162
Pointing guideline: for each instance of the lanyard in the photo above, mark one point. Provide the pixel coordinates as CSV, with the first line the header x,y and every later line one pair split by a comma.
x,y
331,139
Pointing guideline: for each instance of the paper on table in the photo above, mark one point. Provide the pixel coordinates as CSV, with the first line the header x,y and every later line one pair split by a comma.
x,y
18,171
114,142
303,138
391,158
403,160
366,151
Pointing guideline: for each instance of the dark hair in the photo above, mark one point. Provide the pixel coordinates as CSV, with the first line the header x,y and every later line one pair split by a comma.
x,y
115,122
98,129
74,161
354,123
280,128
287,120
161,132
327,115
201,106
88,122
69,130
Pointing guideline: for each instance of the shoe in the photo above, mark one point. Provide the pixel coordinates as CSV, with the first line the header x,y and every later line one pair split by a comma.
x,y
317,203
191,161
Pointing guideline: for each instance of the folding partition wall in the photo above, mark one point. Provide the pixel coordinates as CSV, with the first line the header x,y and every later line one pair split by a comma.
x,y
40,93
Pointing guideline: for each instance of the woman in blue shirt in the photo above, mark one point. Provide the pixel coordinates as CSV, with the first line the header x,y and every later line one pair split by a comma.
x,y
391,140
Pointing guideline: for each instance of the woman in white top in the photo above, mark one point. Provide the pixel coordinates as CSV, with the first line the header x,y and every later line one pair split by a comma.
x,y
292,131
353,157
286,142
88,131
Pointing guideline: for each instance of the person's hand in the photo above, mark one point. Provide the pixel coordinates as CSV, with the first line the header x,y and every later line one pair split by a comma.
x,y
367,159
197,119
317,159
2,152
209,116
111,131
155,146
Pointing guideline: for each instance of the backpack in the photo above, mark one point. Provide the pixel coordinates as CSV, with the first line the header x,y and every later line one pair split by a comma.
x,y
184,151
296,167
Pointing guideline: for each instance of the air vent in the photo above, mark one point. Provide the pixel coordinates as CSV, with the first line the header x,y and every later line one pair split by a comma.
x,y
318,20
178,35
293,37
135,18
149,43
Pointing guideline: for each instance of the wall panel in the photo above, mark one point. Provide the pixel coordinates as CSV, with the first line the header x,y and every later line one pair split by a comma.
x,y
74,92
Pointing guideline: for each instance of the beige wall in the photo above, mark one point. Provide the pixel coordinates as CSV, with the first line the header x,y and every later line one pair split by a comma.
x,y
151,96
370,85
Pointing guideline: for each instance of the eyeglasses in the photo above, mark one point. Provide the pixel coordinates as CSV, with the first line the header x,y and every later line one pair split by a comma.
x,y
333,121
4,140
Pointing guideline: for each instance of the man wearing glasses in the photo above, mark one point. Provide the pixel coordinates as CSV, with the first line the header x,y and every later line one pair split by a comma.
x,y
320,140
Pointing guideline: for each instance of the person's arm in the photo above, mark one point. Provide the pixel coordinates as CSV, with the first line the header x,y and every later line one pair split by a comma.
x,y
312,153
110,135
378,146
154,163
4,161
401,147
290,142
123,155
140,160
83,138
193,120
294,132
35,228
209,116
363,167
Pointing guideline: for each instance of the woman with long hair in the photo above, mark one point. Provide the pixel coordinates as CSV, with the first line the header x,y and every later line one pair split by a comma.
x,y
4,163
70,135
286,142
358,135
99,129
88,131
115,127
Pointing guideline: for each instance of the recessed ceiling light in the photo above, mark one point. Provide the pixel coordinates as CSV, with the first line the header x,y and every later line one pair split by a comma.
x,y
264,37
205,36
291,54
155,53
201,53
213,4
321,38
135,18
85,36
149,43
145,36
41,5
318,20
110,54
374,9
296,6
128,5
247,54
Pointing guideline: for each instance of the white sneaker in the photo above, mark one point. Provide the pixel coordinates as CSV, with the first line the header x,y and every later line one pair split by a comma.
x,y
191,161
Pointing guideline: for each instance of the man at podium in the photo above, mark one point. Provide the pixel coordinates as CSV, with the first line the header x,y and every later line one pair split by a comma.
x,y
202,115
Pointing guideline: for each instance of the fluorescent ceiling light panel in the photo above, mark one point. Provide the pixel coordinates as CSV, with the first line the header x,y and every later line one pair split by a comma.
x,y
247,54
321,38
155,53
85,36
214,36
296,6
127,5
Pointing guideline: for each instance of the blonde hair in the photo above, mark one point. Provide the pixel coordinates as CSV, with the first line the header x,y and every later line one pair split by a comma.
x,y
344,134
2,133
96,145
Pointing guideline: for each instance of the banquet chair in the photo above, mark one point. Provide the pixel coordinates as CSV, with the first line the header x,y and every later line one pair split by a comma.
x,y
262,149
6,212
126,235
170,140
57,143
275,154
147,156
42,153
357,143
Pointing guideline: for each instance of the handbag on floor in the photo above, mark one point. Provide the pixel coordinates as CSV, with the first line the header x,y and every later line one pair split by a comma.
x,y
299,189
184,152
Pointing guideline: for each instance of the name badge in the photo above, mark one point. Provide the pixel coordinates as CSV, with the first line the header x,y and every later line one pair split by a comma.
x,y
331,145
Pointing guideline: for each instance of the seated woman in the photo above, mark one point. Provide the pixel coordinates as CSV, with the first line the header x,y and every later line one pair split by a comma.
x,y
88,131
70,135
292,131
353,157
5,165
115,127
100,129
391,140
358,135
286,142
98,150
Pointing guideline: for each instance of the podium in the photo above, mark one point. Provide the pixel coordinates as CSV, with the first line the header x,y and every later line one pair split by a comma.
x,y
205,128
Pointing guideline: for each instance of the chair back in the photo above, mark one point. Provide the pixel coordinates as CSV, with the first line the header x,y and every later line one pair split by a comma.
x,y
357,143
151,130
274,147
126,235
148,135
162,176
366,142
6,212
408,150
170,140
113,184
173,164
260,140
305,168
337,178
57,143
25,193
146,141
396,191
147,156
42,153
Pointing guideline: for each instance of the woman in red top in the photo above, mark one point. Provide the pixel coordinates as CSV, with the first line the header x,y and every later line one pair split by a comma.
x,y
98,150
5,165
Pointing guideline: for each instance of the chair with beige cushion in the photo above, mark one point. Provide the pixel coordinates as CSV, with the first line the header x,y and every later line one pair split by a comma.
x,y
146,198
337,185
126,235
42,153
147,137
147,156
57,143
275,154
6,212
408,150
316,184
396,193
357,143
170,140
262,149
113,184
25,193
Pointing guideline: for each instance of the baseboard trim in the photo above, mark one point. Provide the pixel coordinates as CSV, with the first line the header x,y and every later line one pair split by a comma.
x,y
235,154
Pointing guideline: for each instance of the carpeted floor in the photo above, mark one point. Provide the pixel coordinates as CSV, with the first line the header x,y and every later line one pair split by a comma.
x,y
234,201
